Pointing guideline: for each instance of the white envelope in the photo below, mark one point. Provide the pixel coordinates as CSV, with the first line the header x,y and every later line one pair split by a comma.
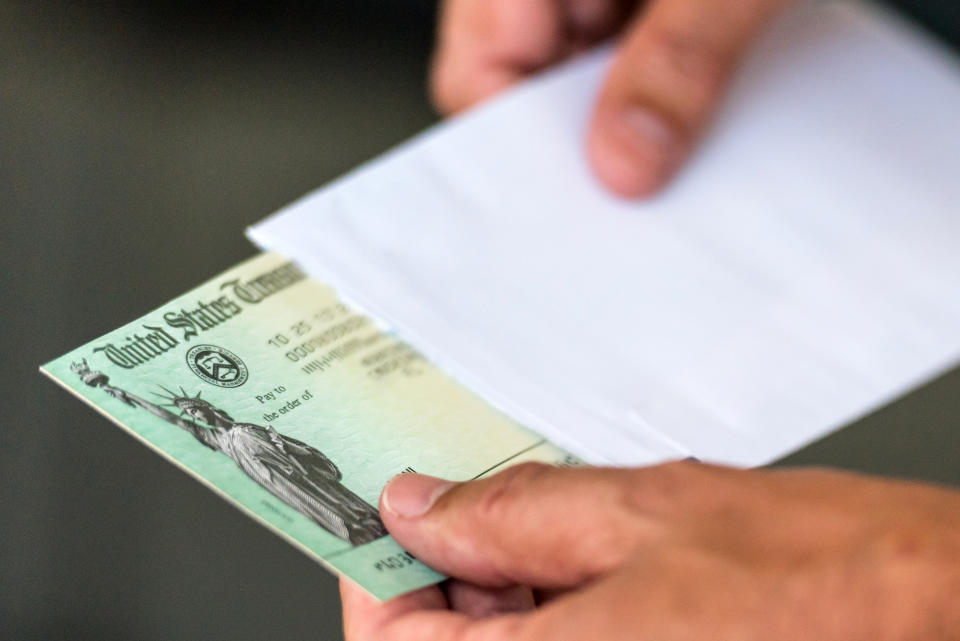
x,y
803,270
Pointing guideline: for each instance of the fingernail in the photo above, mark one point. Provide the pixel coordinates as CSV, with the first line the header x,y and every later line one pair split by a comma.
x,y
634,151
410,495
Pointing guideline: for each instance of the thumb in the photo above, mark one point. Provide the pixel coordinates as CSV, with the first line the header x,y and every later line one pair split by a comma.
x,y
666,80
531,524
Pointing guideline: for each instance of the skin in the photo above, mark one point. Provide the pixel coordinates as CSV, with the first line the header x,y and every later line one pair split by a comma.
x,y
681,551
672,63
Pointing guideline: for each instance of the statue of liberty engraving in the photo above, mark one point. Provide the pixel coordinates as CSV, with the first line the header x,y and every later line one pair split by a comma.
x,y
296,473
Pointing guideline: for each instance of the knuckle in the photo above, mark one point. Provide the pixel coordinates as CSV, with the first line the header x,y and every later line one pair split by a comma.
x,y
506,494
906,554
665,487
675,475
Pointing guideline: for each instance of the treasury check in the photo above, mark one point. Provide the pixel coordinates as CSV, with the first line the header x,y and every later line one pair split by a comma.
x,y
297,409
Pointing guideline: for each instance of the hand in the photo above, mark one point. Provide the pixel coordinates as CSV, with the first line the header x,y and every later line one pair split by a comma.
x,y
671,66
678,551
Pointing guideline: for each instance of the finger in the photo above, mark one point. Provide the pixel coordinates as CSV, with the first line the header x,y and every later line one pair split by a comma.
x,y
419,615
486,45
364,616
478,602
531,524
667,77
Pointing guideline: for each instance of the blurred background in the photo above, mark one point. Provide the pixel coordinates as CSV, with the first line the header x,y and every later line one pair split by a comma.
x,y
137,141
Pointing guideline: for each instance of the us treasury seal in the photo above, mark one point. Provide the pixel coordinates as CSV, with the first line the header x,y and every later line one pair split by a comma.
x,y
217,365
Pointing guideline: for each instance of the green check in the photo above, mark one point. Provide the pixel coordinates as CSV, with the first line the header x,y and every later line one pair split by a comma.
x,y
265,387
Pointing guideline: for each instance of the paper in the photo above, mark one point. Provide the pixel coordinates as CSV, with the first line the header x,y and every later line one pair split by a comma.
x,y
298,410
802,271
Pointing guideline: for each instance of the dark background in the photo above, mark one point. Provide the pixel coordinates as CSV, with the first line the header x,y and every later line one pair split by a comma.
x,y
137,140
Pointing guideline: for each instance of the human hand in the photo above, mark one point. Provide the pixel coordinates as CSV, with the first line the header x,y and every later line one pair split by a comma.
x,y
677,551
670,69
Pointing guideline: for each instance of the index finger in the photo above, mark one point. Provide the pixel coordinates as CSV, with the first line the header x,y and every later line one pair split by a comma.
x,y
487,45
364,616
419,615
